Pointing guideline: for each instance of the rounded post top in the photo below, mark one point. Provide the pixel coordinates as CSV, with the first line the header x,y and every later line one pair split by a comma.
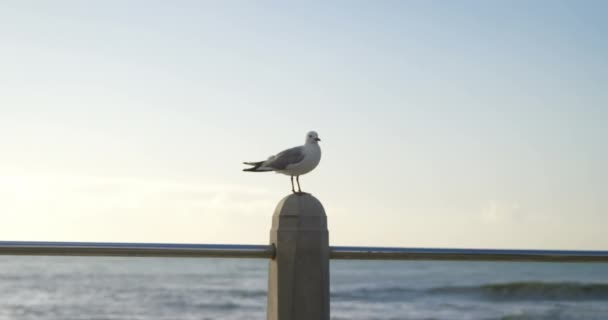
x,y
299,204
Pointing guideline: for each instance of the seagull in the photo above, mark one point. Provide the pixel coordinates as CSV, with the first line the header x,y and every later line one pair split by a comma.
x,y
293,162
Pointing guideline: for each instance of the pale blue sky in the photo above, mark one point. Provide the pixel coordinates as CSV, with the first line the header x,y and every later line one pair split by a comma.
x,y
444,123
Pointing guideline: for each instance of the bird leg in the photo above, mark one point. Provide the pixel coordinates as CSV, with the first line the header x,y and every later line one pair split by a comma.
x,y
298,181
292,187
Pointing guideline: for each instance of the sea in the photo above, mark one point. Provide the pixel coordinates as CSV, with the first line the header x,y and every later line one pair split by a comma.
x,y
65,288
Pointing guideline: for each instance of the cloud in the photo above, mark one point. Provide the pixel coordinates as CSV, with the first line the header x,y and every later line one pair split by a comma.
x,y
82,195
496,211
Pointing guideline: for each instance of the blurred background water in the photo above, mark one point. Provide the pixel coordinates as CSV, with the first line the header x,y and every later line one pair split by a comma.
x,y
45,288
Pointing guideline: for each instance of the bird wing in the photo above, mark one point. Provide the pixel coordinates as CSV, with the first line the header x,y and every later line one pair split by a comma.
x,y
285,158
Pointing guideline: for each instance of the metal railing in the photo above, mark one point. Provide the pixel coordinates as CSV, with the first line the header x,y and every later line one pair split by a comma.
x,y
268,252
37,248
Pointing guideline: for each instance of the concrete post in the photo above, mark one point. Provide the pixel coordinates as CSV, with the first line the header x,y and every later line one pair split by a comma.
x,y
298,276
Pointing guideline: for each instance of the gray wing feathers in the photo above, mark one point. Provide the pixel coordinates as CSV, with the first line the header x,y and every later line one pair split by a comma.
x,y
285,158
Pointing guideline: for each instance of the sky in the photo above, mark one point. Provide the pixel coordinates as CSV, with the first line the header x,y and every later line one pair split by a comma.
x,y
454,124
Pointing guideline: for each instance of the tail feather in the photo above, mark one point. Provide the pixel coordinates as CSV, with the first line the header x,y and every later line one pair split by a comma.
x,y
256,167
253,163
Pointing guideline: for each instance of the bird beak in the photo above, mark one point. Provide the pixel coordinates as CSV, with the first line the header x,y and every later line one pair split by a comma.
x,y
317,139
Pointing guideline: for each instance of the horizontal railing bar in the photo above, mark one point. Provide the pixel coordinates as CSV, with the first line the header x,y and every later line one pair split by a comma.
x,y
387,253
33,248
267,251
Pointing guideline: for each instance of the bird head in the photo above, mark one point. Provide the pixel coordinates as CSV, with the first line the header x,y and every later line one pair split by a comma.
x,y
312,137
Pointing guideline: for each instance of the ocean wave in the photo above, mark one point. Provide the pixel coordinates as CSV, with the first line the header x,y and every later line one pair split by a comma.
x,y
533,290
246,293
376,294
510,291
